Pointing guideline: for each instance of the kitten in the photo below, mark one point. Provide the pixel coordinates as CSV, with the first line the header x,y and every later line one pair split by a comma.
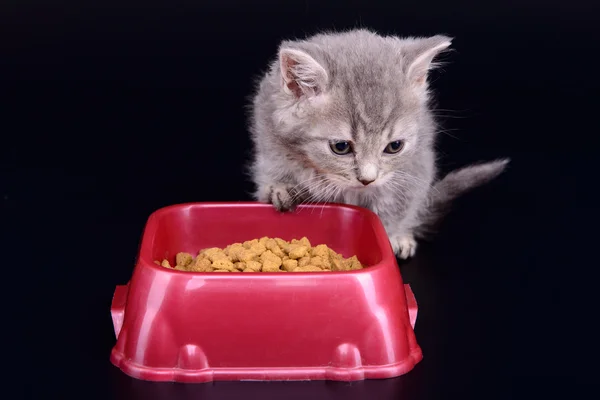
x,y
344,117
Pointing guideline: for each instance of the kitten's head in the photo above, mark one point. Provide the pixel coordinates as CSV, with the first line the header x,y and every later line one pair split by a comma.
x,y
353,106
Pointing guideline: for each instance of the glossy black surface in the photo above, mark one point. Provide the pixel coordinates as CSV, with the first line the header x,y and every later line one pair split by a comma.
x,y
111,111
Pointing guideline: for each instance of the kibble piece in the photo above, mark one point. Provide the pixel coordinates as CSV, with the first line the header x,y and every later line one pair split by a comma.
x,y
278,251
258,248
308,268
269,256
298,251
272,245
335,259
249,270
209,251
303,242
221,270
320,251
165,263
337,265
234,250
248,244
263,240
290,265
326,261
237,244
270,266
246,255
223,263
283,245
354,263
183,259
347,264
304,261
218,255
180,268
254,265
201,265
333,254
240,265
317,261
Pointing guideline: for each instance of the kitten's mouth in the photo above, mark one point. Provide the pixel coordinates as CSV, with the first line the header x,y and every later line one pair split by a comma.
x,y
356,185
362,188
344,183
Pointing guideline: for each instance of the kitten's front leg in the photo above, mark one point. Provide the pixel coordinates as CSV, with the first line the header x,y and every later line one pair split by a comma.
x,y
283,196
398,223
404,246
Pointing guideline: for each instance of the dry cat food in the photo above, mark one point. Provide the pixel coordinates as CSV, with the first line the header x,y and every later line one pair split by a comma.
x,y
265,255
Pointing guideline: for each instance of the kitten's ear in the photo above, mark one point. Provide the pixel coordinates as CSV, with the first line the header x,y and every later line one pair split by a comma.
x,y
421,54
301,74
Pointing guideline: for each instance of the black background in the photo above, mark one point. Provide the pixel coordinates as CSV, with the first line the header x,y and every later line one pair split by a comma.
x,y
110,110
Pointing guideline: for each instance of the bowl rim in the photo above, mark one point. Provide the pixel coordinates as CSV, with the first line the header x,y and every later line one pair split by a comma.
x,y
388,257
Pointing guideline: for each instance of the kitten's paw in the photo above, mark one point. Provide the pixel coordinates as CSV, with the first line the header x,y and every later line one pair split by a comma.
x,y
282,197
404,246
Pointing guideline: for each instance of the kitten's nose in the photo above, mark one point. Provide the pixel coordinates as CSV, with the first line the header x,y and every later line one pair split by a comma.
x,y
367,173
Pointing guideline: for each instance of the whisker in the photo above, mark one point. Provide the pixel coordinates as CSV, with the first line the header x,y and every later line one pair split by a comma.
x,y
411,178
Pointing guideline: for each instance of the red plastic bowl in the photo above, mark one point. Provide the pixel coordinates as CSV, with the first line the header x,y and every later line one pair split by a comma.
x,y
200,327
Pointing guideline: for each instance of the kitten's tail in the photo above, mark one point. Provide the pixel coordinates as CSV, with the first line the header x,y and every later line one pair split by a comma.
x,y
452,186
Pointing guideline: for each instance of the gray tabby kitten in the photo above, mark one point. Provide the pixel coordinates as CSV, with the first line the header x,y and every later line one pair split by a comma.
x,y
344,117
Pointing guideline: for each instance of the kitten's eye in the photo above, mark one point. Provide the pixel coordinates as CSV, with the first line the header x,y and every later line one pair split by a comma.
x,y
394,147
340,148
